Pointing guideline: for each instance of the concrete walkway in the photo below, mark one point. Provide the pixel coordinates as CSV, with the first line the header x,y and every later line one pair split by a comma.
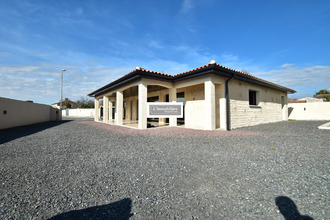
x,y
324,126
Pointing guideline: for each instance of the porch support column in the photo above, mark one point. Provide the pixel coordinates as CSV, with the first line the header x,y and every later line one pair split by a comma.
x,y
105,109
172,98
162,98
119,107
142,93
210,105
223,117
110,111
96,108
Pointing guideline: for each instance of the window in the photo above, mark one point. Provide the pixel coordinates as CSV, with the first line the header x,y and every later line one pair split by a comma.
x,y
252,97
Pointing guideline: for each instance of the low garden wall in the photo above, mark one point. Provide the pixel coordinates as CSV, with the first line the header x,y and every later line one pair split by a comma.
x,y
79,113
309,111
15,113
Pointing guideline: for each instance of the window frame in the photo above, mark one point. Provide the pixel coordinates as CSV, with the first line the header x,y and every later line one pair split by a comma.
x,y
253,98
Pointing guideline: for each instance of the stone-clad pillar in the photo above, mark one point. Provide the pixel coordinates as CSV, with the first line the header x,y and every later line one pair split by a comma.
x,y
172,98
210,104
143,93
119,107
105,109
222,108
96,107
110,111
162,98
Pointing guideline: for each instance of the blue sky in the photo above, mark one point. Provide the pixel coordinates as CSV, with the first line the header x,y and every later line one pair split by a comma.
x,y
283,41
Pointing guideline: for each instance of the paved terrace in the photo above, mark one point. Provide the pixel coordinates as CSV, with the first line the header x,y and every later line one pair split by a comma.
x,y
90,170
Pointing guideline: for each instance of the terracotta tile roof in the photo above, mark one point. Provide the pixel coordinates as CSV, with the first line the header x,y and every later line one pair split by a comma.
x,y
127,75
296,101
145,70
210,65
216,65
322,95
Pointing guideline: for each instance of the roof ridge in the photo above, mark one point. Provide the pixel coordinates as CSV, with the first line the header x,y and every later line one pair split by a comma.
x,y
215,64
212,63
151,71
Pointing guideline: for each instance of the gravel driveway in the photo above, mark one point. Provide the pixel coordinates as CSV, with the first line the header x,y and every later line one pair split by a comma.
x,y
89,170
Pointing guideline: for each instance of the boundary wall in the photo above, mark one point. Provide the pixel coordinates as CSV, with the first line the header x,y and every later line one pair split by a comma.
x,y
15,113
79,112
309,111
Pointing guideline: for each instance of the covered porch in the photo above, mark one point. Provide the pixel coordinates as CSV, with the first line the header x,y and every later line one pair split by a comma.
x,y
127,105
203,100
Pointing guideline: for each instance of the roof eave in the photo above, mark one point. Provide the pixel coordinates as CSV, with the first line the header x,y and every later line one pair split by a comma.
x,y
228,72
135,75
211,68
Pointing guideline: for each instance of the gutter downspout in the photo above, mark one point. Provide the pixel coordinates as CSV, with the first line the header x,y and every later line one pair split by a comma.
x,y
228,101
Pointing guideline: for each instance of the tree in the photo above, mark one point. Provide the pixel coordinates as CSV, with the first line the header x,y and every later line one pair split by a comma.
x,y
322,91
85,102
325,94
67,105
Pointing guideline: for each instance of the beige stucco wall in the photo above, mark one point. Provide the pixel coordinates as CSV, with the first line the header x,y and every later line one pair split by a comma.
x,y
15,113
309,111
195,109
269,108
195,114
193,93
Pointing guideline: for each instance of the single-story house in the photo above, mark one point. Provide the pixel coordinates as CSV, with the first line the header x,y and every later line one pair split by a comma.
x,y
213,96
66,103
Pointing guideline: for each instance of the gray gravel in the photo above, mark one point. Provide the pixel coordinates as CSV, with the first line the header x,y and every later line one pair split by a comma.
x,y
78,169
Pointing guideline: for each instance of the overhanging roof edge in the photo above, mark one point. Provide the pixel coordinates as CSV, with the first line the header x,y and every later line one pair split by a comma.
x,y
210,68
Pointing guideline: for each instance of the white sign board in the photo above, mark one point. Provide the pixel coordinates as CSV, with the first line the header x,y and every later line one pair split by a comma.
x,y
165,110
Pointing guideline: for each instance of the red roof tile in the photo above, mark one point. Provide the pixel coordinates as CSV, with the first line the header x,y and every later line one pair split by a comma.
x,y
296,101
180,75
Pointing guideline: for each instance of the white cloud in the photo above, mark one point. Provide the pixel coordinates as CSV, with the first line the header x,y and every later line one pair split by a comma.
x,y
286,65
42,85
155,44
228,57
79,11
305,80
187,6
5,54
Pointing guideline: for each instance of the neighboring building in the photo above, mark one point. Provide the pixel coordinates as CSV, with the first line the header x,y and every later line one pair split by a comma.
x,y
311,99
214,97
296,101
323,96
306,100
66,103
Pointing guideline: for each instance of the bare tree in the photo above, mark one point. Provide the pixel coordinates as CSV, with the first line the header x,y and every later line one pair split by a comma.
x,y
85,102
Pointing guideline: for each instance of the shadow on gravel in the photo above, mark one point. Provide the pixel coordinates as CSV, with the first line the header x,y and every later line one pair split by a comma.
x,y
120,210
289,209
10,134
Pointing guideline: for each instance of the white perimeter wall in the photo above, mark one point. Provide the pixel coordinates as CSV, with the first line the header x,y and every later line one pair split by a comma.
x,y
83,112
309,111
15,113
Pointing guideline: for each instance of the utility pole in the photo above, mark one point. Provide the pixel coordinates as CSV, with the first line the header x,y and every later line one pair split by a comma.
x,y
61,89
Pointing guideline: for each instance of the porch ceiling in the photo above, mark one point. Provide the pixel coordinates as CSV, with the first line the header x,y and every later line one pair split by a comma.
x,y
132,91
